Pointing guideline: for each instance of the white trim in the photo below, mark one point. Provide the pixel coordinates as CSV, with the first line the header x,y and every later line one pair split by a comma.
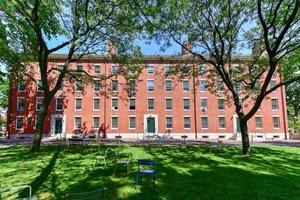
x,y
187,116
113,128
170,116
75,104
221,98
202,122
148,104
95,70
52,123
131,116
222,128
166,103
56,103
185,80
153,69
111,103
205,80
186,98
277,104
75,128
166,85
134,103
148,85
155,116
276,128
93,125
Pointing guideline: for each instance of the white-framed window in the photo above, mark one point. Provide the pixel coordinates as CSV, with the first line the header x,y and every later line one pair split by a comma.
x,y
19,122
202,85
169,122
96,122
167,69
150,103
114,103
20,104
97,86
204,122
185,69
202,69
258,122
274,102
132,103
132,122
97,69
150,85
114,122
222,122
59,104
185,86
276,122
168,85
78,86
203,104
169,104
115,69
78,104
220,86
114,85
96,104
39,86
186,104
150,69
77,122
186,122
273,83
221,104
21,86
132,86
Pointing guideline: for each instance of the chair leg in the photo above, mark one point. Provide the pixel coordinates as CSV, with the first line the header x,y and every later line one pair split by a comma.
x,y
136,181
104,162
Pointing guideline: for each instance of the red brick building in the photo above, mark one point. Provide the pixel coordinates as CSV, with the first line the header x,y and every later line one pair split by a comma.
x,y
169,107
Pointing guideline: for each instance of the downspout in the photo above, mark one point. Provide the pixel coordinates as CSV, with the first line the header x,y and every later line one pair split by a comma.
x,y
104,110
284,111
8,113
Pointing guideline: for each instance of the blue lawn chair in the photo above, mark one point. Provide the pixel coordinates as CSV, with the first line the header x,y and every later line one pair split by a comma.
x,y
146,167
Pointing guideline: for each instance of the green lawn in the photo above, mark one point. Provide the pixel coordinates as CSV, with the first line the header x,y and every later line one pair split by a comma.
x,y
183,172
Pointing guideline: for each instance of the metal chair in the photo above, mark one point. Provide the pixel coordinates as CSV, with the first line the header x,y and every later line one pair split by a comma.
x,y
146,167
14,189
102,157
95,194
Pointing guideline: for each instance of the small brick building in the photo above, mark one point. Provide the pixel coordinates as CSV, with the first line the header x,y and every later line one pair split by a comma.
x,y
157,104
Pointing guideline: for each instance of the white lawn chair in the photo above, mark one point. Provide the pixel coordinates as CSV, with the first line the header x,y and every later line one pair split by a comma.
x,y
8,192
102,157
95,194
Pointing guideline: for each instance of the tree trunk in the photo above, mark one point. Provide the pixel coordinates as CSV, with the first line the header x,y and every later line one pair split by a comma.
x,y
245,136
40,125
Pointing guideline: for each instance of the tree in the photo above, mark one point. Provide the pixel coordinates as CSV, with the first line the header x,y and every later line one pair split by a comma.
x,y
217,31
28,27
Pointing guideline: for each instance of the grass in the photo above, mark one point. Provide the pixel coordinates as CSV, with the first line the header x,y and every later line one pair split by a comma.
x,y
183,172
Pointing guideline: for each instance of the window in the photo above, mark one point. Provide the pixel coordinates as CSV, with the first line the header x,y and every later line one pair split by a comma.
x,y
150,69
21,86
168,85
202,69
185,70
220,86
114,104
97,69
274,104
150,85
185,86
96,122
78,104
39,103
202,85
132,122
132,104
169,104
114,86
61,88
167,69
273,84
77,122
222,122
238,86
79,68
132,86
96,104
150,104
186,122
204,122
169,122
78,86
203,103
59,104
186,104
221,104
114,122
258,122
276,122
19,123
20,104
115,69
97,86
40,87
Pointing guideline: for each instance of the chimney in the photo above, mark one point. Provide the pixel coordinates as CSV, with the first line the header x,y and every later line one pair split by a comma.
x,y
111,48
187,45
